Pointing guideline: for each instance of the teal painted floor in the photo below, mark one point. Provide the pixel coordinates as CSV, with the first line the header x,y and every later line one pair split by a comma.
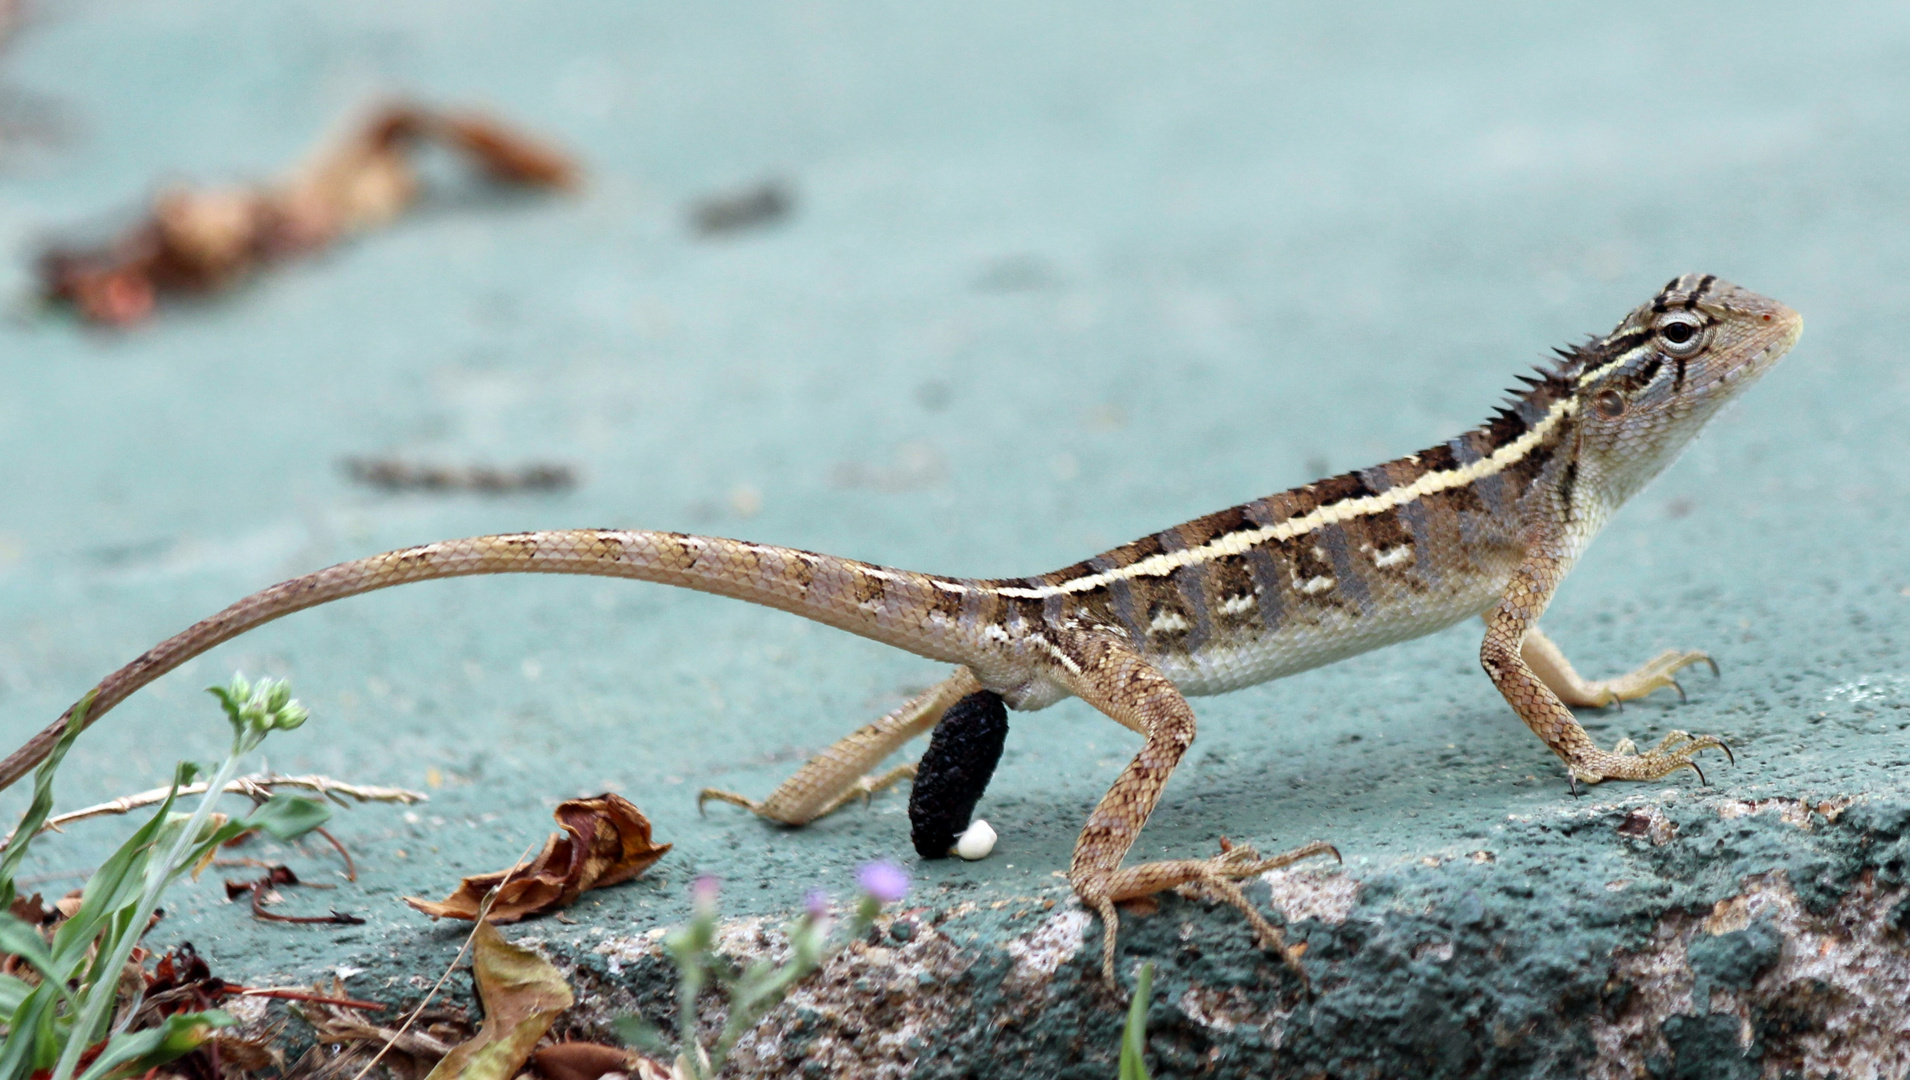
x,y
1057,275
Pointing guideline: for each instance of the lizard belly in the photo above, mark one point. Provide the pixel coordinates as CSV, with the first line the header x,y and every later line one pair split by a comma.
x,y
1320,634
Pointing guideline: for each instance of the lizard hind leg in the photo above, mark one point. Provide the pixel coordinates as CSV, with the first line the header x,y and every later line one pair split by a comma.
x,y
1119,682
1548,662
843,773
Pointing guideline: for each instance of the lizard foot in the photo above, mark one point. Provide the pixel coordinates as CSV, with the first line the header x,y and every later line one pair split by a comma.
x,y
1656,674
710,794
867,787
1100,890
772,808
1675,751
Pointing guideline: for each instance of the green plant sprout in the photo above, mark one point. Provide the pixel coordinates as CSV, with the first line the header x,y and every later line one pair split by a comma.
x,y
1134,1036
53,1023
762,985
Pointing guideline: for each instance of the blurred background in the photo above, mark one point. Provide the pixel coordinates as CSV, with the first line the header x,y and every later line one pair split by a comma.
x,y
978,289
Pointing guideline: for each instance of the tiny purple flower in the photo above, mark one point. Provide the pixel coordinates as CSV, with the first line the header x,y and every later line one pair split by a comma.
x,y
817,902
704,890
884,881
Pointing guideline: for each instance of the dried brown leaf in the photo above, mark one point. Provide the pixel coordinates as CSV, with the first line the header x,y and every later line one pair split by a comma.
x,y
29,909
581,1061
200,239
606,840
522,995
510,156
250,1054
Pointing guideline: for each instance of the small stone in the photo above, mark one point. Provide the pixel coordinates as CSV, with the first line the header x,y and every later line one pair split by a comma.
x,y
976,842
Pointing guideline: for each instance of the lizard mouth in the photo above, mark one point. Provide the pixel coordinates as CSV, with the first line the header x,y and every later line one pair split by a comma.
x,y
1782,327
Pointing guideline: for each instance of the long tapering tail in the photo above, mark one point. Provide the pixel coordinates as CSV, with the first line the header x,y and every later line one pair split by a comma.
x,y
911,611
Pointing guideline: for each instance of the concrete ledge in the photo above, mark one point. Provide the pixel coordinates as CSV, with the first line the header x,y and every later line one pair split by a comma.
x,y
1706,937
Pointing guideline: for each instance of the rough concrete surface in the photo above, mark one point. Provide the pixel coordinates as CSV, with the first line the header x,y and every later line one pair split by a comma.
x,y
1055,275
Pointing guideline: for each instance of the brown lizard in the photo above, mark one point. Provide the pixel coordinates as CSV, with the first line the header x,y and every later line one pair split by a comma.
x,y
1486,524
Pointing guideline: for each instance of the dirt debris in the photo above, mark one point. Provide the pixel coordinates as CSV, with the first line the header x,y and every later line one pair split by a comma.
x,y
1309,894
1762,980
1802,813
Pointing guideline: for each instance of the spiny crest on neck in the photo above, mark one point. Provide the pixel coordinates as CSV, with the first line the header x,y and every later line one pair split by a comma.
x,y
1535,398
1537,395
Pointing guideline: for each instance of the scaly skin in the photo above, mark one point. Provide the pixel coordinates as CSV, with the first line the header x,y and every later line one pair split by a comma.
x,y
1486,524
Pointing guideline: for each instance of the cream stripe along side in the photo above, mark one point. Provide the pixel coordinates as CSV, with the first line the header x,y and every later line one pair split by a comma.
x,y
1237,543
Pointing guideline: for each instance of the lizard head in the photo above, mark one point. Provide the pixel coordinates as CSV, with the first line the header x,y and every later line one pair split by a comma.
x,y
1645,389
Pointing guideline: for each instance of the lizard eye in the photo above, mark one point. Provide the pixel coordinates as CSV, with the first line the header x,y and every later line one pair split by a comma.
x,y
1610,404
1681,335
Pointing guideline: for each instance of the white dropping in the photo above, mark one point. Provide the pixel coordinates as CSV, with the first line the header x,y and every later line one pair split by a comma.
x,y
976,842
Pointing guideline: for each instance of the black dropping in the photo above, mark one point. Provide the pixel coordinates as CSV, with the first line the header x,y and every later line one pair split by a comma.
x,y
961,758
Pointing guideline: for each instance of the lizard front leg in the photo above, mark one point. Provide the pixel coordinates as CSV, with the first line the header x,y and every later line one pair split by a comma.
x,y
842,773
1113,678
1551,666
1510,629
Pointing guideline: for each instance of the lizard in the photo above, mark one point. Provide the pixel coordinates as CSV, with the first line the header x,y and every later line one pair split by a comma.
x,y
1486,525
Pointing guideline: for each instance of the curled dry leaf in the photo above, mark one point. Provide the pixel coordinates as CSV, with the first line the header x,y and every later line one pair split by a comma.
x,y
582,1061
30,909
606,840
204,239
522,995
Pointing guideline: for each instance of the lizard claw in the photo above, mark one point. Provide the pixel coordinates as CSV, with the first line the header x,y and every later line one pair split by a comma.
x,y
1657,674
1625,762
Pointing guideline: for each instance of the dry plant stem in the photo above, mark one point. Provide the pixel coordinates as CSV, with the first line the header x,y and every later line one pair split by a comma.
x,y
299,993
351,868
258,788
336,918
483,913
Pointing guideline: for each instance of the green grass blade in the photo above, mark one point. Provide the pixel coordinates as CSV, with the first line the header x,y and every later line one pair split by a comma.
x,y
42,805
30,1043
13,991
288,817
1134,1038
119,881
137,1052
25,942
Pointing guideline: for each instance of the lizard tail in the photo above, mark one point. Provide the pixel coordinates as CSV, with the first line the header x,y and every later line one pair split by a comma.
x,y
911,611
